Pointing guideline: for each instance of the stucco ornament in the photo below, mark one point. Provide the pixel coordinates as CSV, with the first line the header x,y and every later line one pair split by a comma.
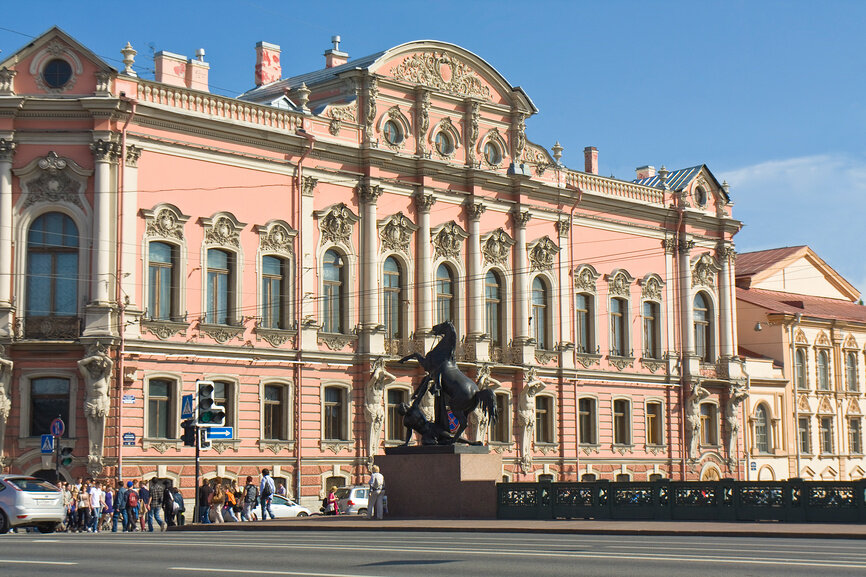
x,y
519,133
449,239
526,417
7,81
370,108
277,239
651,289
422,112
442,71
704,271
337,224
5,398
341,114
542,254
165,224
473,132
96,370
693,418
478,418
736,395
54,184
396,232
223,232
585,279
619,284
374,405
497,247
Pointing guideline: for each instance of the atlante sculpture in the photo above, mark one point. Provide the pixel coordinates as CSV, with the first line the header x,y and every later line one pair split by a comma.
x,y
452,389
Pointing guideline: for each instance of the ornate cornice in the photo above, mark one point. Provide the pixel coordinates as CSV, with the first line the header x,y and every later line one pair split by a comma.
x,y
164,222
442,71
584,280
619,284
651,287
277,237
223,230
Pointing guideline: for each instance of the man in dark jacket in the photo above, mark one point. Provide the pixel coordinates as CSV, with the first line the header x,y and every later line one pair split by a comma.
x,y
204,497
181,508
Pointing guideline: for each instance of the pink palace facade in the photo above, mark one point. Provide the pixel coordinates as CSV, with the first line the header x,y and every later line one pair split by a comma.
x,y
281,242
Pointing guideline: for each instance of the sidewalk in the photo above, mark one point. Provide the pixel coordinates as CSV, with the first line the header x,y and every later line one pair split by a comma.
x,y
561,526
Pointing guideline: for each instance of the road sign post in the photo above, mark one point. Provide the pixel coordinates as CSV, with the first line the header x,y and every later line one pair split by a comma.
x,y
57,428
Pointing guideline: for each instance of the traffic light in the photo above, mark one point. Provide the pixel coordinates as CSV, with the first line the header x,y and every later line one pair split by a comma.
x,y
66,456
188,436
204,442
208,413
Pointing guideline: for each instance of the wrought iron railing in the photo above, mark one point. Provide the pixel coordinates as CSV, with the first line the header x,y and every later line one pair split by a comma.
x,y
51,328
793,500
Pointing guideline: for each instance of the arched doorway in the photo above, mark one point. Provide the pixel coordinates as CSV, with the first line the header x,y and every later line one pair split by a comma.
x,y
711,473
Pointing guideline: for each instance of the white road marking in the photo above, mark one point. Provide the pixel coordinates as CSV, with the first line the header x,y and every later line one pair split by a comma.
x,y
27,562
246,571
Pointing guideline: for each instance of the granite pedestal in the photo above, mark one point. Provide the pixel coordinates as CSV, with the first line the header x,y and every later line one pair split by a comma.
x,y
445,482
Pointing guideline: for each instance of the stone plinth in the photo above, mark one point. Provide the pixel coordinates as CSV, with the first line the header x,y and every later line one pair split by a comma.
x,y
451,482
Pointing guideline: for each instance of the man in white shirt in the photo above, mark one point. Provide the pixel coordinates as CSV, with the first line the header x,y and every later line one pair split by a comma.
x,y
96,496
377,494
266,494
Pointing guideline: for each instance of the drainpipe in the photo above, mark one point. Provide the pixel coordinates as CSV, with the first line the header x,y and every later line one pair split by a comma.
x,y
745,434
118,290
573,324
678,328
299,367
793,372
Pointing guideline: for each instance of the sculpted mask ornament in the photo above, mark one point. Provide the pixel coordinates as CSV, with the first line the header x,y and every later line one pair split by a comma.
x,y
652,289
54,184
165,224
396,233
341,114
497,247
337,224
448,241
542,254
704,272
277,239
442,71
5,397
619,285
585,279
223,232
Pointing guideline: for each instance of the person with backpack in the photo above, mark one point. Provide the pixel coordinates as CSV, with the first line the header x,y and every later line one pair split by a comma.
x,y
119,509
229,505
178,507
266,490
131,506
250,500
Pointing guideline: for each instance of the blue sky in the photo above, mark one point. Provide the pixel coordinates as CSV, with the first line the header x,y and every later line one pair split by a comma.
x,y
770,94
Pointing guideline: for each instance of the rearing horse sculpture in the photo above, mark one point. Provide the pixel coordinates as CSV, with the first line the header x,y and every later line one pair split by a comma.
x,y
456,390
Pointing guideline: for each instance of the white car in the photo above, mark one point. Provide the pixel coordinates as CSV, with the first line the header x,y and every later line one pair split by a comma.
x,y
284,507
29,502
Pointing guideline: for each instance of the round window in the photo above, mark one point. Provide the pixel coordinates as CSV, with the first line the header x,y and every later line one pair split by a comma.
x,y
444,146
392,133
492,154
57,73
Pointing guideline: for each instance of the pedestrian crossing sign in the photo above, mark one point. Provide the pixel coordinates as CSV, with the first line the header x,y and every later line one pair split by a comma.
x,y
47,444
186,407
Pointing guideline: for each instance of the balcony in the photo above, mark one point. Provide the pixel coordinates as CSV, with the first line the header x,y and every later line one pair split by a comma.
x,y
49,328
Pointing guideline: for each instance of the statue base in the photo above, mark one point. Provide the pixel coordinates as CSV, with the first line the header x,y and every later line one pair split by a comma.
x,y
444,482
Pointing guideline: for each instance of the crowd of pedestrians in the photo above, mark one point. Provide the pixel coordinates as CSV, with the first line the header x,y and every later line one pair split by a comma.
x,y
222,501
94,506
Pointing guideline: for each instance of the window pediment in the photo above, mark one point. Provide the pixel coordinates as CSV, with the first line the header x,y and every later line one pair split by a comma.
x,y
704,271
277,236
164,221
496,247
584,279
850,343
53,179
651,287
619,283
336,223
823,340
448,239
223,229
395,233
542,254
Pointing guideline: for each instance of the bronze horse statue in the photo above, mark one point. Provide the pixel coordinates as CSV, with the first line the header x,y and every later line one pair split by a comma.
x,y
454,389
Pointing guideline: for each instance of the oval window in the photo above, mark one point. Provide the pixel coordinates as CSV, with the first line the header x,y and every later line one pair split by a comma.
x,y
492,154
57,73
444,146
700,196
392,133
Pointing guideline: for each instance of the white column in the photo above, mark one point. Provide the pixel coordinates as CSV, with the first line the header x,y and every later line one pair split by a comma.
x,y
7,151
565,320
129,246
369,194
476,280
308,310
726,312
669,245
521,276
424,281
686,304
103,152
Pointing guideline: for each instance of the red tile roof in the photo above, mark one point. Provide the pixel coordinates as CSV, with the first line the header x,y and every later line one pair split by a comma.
x,y
808,306
749,263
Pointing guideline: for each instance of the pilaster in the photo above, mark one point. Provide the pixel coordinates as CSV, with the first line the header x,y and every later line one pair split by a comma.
x,y
372,330
7,152
523,348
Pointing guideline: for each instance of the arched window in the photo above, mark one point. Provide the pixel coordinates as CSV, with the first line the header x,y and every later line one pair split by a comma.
x,y
585,334
762,429
493,308
392,285
800,369
444,294
52,266
539,313
275,292
162,281
823,371
220,275
333,285
651,331
618,327
851,371
703,328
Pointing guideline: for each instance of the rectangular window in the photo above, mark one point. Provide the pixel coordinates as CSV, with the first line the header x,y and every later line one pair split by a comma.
x,y
618,338
709,424
654,423
621,420
274,292
651,333
584,332
803,432
543,419
219,275
49,399
826,434
162,281
159,421
587,418
334,413
855,439
274,413
396,430
222,393
503,418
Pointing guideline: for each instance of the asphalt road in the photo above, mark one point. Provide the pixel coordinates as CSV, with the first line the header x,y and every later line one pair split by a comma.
x,y
365,553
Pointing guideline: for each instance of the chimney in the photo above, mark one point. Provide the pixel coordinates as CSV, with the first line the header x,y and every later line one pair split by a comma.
x,y
268,67
197,71
170,68
590,159
333,56
645,172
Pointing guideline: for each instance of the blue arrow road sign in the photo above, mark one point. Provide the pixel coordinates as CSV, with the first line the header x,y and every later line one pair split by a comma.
x,y
47,444
220,433
186,407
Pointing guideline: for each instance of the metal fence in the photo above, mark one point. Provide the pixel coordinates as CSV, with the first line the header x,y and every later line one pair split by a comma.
x,y
793,500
